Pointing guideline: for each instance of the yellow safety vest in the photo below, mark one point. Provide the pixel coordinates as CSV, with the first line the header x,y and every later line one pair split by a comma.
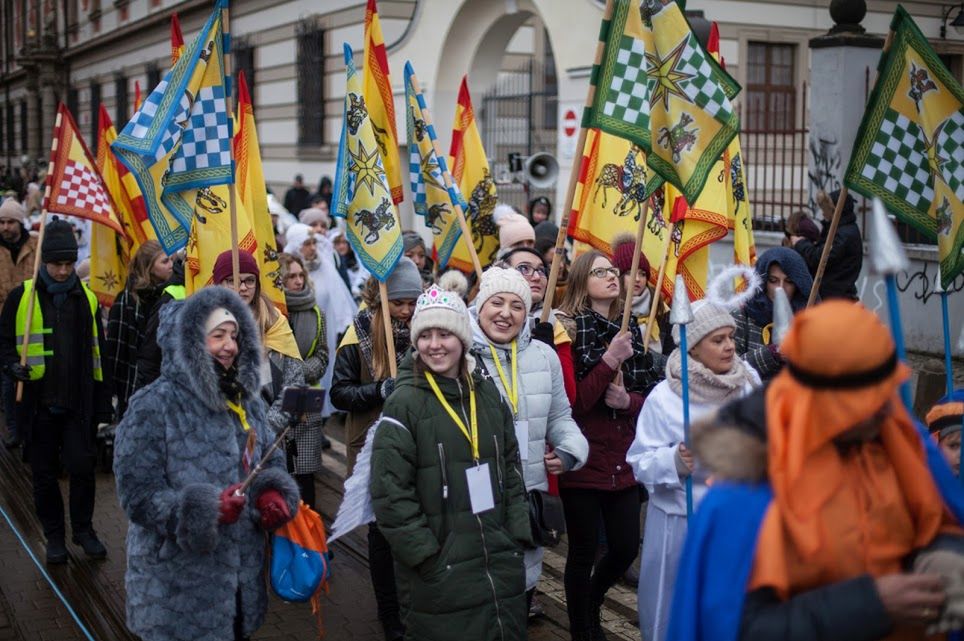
x,y
177,292
36,352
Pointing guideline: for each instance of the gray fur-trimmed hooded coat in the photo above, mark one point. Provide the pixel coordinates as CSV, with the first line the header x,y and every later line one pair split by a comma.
x,y
177,448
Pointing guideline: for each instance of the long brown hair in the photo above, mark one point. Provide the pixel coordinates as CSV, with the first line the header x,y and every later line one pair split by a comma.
x,y
380,365
140,267
285,261
576,300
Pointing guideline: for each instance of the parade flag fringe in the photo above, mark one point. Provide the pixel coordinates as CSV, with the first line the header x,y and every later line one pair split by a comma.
x,y
470,171
179,141
362,195
380,102
908,147
431,199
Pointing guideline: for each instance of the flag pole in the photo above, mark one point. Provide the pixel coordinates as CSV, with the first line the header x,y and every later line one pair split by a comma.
x,y
837,211
946,322
446,175
658,289
559,250
634,270
229,106
54,144
825,254
681,314
387,323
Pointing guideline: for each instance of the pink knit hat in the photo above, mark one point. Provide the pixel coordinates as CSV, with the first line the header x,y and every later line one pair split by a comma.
x,y
513,229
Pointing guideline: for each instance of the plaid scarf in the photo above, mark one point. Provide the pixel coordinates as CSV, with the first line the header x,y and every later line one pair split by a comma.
x,y
593,335
363,328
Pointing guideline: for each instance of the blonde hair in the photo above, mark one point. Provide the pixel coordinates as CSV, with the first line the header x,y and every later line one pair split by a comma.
x,y
140,266
576,300
284,261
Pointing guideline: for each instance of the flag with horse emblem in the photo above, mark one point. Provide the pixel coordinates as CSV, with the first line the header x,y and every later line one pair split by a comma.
x,y
908,148
691,118
433,201
362,195
179,141
472,176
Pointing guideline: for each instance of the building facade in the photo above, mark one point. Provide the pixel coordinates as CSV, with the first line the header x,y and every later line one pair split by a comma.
x,y
527,62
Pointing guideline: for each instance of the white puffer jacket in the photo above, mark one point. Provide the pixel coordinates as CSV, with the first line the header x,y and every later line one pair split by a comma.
x,y
542,402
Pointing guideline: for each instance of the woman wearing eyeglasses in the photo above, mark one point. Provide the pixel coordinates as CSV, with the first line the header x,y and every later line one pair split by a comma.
x,y
529,263
281,364
613,377
307,322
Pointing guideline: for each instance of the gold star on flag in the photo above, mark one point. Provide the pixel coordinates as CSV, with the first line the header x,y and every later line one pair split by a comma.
x,y
366,167
667,75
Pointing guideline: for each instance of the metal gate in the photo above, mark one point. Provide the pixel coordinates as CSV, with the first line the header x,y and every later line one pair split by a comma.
x,y
519,116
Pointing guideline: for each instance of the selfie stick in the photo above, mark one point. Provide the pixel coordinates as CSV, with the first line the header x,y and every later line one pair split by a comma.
x,y
295,416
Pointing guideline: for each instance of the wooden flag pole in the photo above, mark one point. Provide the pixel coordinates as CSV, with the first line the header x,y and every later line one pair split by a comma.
x,y
837,211
447,177
559,251
229,105
825,254
54,144
640,230
387,322
658,290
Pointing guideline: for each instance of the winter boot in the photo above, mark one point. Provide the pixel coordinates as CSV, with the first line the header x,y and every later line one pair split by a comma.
x,y
56,550
88,540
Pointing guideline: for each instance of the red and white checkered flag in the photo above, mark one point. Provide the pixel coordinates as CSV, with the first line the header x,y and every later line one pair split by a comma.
x,y
74,186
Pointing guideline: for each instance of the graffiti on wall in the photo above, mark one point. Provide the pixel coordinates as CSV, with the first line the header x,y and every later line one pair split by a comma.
x,y
922,283
824,167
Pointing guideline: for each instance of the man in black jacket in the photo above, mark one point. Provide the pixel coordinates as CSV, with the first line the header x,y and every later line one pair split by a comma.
x,y
64,393
846,252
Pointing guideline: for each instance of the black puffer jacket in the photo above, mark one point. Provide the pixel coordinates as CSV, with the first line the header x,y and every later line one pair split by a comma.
x,y
846,254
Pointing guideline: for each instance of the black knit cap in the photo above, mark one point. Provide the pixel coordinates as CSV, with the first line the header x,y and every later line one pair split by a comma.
x,y
59,243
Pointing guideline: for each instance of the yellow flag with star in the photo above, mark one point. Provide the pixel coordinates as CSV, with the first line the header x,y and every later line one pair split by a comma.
x,y
362,195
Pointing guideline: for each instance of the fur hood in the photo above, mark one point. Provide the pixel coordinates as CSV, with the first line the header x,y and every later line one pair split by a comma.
x,y
732,443
186,362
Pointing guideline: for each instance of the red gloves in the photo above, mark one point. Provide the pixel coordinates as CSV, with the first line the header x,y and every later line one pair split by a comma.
x,y
231,505
274,510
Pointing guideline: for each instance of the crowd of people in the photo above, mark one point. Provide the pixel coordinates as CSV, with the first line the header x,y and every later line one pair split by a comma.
x,y
485,428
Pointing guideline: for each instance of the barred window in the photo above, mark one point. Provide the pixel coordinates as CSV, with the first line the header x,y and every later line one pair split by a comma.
x,y
311,88
94,109
121,105
770,88
153,79
24,137
243,61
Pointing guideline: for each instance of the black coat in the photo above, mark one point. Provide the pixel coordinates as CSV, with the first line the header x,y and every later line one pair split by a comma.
x,y
845,259
69,379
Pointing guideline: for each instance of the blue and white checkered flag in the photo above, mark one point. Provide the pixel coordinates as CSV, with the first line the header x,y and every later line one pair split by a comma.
x,y
179,141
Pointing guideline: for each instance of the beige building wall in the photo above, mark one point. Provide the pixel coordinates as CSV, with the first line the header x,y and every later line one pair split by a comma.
x,y
443,39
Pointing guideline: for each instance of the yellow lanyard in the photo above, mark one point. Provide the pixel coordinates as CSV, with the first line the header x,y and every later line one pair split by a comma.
x,y
242,415
511,391
473,437
248,457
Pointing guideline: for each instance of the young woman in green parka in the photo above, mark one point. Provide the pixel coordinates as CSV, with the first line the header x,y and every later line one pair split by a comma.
x,y
447,487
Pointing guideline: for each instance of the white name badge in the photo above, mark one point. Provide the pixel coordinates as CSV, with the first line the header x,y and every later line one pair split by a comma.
x,y
522,435
480,488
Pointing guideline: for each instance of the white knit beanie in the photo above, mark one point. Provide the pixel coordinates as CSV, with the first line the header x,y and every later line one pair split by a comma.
x,y
496,280
12,209
217,317
514,229
708,317
444,310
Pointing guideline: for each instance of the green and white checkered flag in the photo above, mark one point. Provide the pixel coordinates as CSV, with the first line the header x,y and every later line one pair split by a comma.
x,y
908,149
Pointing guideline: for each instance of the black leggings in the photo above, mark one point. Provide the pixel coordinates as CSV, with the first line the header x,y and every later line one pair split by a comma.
x,y
585,588
306,486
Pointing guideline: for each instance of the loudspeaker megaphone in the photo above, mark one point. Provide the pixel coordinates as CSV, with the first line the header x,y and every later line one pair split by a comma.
x,y
541,170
